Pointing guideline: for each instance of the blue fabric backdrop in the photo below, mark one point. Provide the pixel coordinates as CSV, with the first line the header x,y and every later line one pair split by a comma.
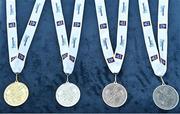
x,y
43,71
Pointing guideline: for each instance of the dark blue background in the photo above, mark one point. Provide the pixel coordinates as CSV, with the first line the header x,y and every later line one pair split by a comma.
x,y
43,71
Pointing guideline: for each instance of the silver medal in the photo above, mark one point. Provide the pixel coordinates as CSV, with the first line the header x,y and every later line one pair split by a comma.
x,y
114,95
165,97
67,94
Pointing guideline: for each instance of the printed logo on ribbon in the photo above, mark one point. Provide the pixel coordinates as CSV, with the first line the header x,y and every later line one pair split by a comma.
x,y
144,8
103,26
124,8
32,23
100,10
13,58
37,7
163,61
118,56
146,23
77,24
13,43
162,9
153,58
64,56
12,25
110,60
21,56
162,26
105,43
11,10
59,23
72,58
122,23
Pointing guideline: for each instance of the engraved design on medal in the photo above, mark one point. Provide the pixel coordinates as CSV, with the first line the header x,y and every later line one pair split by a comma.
x,y
16,94
165,97
114,95
68,94
12,25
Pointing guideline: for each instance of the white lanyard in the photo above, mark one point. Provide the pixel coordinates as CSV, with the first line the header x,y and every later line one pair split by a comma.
x,y
68,50
17,55
113,60
157,59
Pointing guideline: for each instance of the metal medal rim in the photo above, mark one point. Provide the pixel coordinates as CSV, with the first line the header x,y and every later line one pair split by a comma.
x,y
13,84
60,89
168,86
126,95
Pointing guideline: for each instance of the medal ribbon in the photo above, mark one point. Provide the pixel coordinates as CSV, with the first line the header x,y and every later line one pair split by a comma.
x,y
113,60
68,50
17,56
157,59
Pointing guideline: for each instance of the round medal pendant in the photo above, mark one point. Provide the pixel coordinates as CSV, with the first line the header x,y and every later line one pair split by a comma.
x,y
165,97
114,95
16,94
67,94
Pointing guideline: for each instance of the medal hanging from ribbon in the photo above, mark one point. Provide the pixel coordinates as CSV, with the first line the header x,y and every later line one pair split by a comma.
x,y
17,93
164,96
68,94
114,94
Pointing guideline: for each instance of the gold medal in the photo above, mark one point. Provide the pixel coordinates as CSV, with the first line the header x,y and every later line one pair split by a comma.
x,y
16,94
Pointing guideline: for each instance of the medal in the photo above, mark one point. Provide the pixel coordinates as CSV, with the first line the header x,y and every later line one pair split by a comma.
x,y
68,94
114,94
17,92
164,96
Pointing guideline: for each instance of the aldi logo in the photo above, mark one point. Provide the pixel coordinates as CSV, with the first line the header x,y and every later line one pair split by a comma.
x,y
64,56
110,60
153,58
118,56
72,58
32,23
163,61
12,25
162,26
13,58
77,24
122,23
59,23
146,23
103,26
21,56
